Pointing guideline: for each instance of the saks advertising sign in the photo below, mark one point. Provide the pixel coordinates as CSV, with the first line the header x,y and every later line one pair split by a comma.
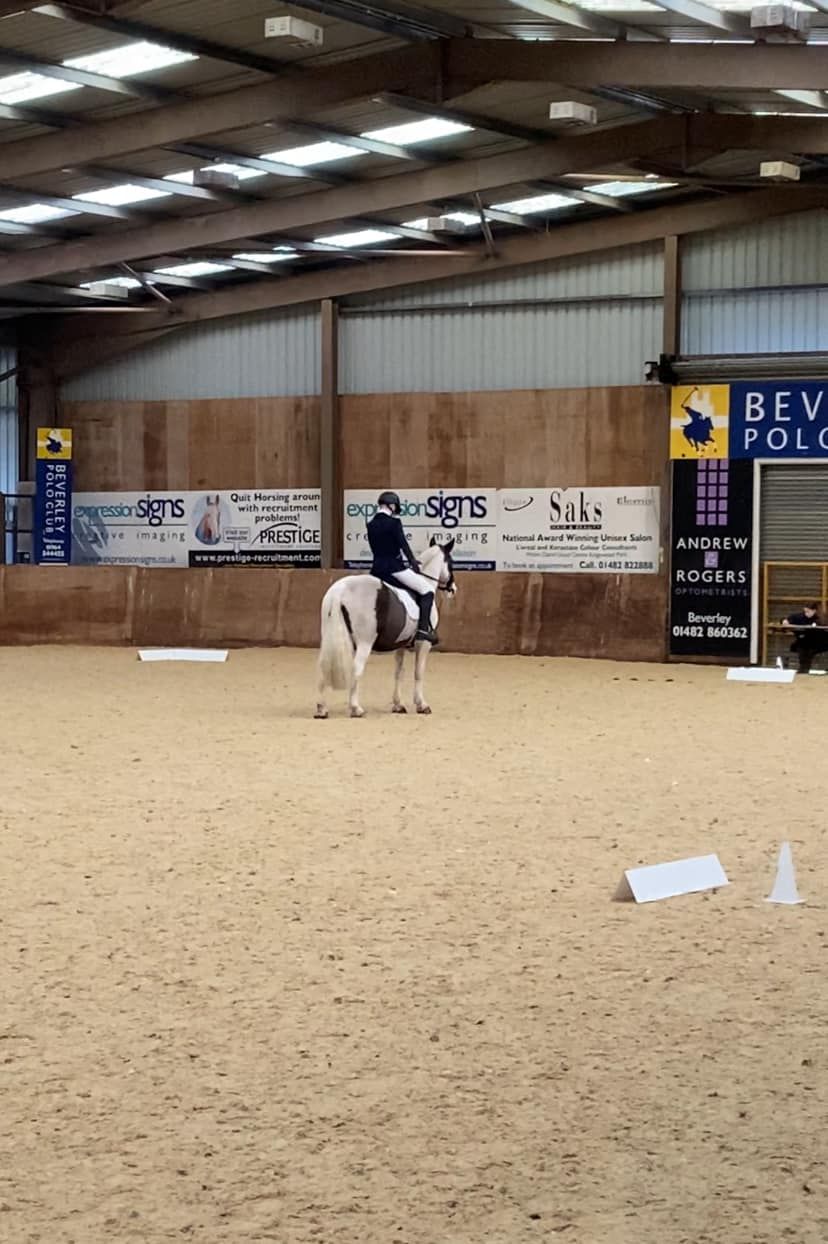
x,y
252,527
569,530
580,530
466,515
774,419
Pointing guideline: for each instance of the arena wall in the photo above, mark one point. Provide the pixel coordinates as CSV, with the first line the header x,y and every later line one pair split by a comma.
x,y
524,438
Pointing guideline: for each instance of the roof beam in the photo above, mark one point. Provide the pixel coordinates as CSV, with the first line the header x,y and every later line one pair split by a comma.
x,y
402,20
705,15
563,14
587,63
563,242
191,118
565,155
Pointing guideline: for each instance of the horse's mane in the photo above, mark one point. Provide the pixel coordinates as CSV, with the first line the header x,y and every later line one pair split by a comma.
x,y
428,558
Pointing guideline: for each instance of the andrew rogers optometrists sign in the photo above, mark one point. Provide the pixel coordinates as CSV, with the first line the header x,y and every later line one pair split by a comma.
x,y
767,419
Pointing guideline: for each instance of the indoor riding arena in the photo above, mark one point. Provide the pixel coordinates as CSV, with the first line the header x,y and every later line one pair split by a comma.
x,y
528,946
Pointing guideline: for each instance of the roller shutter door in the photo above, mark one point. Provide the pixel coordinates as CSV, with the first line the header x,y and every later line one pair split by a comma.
x,y
794,513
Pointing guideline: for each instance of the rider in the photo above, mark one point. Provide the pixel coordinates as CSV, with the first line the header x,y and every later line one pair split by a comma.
x,y
395,563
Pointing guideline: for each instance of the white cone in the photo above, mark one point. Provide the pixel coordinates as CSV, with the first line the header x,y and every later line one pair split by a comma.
x,y
784,887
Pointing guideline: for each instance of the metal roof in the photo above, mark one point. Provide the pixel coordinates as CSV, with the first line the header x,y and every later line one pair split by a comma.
x,y
505,103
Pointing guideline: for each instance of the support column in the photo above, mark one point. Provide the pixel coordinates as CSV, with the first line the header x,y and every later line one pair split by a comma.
x,y
329,438
37,404
671,335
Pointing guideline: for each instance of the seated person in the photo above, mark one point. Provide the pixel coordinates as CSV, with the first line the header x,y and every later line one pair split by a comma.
x,y
810,638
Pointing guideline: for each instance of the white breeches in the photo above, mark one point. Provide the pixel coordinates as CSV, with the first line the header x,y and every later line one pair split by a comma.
x,y
417,582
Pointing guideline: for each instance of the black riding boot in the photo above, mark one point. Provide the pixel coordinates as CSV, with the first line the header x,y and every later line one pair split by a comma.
x,y
424,632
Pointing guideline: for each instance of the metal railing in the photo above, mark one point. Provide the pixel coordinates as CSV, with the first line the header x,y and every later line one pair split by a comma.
x,y
16,527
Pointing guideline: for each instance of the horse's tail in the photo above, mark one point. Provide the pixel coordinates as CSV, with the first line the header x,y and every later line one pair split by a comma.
x,y
336,651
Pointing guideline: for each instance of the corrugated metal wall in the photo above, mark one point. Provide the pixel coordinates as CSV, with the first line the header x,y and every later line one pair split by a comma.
x,y
583,322
267,355
742,317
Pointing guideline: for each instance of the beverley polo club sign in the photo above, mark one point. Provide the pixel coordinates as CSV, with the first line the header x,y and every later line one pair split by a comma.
x,y
53,497
769,419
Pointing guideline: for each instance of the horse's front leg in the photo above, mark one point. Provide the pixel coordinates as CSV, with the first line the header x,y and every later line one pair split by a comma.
x,y
397,705
421,652
361,656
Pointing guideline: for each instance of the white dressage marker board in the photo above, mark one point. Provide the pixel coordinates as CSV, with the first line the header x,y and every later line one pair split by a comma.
x,y
647,885
182,654
758,674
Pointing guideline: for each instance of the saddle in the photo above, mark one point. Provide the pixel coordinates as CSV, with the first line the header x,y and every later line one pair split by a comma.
x,y
398,615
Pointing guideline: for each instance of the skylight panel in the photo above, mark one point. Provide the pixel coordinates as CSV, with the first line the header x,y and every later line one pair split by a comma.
x,y
267,256
126,61
535,203
34,214
126,282
360,237
120,196
423,131
314,153
460,218
243,174
196,268
623,189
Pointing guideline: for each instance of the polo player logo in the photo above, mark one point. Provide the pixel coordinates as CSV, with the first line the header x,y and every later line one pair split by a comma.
x,y
54,442
699,431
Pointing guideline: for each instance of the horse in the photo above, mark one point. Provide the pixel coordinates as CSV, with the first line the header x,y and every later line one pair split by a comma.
x,y
361,615
209,528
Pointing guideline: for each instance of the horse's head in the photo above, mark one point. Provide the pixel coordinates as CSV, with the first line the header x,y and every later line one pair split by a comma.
x,y
441,566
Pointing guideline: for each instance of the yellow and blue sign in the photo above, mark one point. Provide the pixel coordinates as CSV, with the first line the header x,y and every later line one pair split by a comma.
x,y
766,419
53,497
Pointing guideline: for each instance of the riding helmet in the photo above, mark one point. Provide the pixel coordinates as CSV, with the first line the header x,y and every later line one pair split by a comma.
x,y
391,500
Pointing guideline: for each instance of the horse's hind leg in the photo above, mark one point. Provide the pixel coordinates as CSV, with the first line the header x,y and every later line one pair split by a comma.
x,y
397,705
361,656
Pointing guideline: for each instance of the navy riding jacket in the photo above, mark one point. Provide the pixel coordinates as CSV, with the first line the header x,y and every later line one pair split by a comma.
x,y
389,546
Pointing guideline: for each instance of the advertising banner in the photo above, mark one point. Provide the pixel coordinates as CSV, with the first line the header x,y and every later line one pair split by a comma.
x,y
467,515
750,419
580,530
53,497
712,535
253,527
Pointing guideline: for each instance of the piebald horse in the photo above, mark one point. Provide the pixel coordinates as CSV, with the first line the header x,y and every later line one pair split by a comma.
x,y
361,615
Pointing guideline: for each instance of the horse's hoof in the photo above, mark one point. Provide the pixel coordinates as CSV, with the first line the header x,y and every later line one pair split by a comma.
x,y
321,714
398,708
357,712
424,710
